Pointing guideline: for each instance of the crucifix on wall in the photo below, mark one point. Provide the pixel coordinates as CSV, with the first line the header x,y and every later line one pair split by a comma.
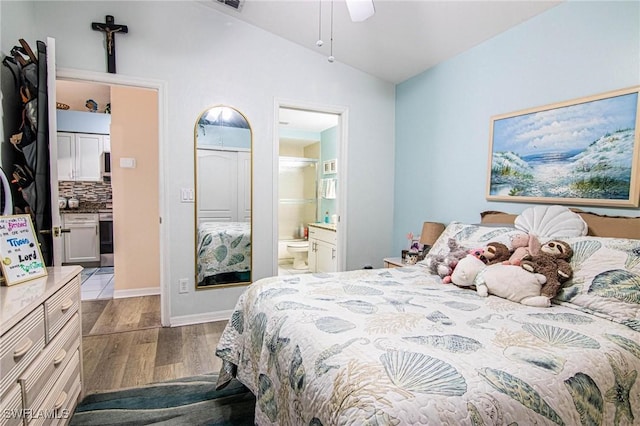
x,y
110,28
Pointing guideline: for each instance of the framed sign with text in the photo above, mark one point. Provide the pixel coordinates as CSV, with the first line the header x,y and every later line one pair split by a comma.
x,y
20,256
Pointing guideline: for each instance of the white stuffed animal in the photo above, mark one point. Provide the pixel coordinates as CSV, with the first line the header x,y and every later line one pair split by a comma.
x,y
506,281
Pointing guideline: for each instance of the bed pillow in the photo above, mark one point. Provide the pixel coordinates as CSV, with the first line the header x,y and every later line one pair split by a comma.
x,y
492,216
601,225
474,236
606,278
551,221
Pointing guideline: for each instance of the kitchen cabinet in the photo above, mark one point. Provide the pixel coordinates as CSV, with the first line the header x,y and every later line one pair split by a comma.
x,y
322,249
82,242
106,143
79,156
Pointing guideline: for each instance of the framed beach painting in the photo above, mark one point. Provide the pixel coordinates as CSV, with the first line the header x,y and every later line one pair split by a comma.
x,y
585,151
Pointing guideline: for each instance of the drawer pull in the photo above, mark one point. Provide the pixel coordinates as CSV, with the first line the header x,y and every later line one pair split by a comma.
x,y
61,356
66,305
18,352
60,401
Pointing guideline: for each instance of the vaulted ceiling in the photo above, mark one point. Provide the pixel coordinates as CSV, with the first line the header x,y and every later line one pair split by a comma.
x,y
401,40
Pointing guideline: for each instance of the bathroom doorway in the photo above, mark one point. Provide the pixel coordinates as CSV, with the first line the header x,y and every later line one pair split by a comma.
x,y
309,143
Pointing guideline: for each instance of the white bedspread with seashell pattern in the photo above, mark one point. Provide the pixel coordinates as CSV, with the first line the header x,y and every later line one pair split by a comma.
x,y
398,347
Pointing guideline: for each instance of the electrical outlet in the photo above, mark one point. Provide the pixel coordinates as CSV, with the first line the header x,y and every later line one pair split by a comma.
x,y
183,285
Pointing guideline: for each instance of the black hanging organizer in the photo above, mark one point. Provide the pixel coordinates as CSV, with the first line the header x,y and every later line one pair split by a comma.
x,y
29,172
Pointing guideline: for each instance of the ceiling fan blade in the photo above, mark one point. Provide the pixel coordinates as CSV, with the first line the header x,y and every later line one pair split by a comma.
x,y
360,10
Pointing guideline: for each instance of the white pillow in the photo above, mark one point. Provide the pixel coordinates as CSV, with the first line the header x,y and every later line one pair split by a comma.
x,y
551,221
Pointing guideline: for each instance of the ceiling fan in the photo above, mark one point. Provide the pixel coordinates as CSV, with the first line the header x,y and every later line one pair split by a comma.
x,y
360,10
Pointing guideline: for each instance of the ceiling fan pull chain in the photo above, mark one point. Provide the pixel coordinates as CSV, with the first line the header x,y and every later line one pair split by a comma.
x,y
331,58
319,43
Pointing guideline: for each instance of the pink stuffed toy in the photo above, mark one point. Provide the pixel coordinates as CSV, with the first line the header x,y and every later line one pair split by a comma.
x,y
478,253
524,245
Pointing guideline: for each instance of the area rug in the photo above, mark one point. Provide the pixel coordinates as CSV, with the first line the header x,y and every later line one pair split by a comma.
x,y
187,401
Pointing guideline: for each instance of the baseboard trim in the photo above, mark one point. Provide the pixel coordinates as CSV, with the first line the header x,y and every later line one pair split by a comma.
x,y
136,292
200,318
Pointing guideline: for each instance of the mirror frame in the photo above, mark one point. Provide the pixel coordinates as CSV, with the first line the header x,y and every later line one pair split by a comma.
x,y
195,200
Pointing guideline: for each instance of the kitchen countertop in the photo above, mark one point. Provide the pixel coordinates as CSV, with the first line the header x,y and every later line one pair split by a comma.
x,y
88,207
329,226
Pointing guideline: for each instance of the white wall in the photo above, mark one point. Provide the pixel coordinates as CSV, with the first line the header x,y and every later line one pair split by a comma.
x,y
574,50
208,58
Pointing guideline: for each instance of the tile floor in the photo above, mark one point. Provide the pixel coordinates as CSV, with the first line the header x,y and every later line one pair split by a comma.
x,y
97,283
285,267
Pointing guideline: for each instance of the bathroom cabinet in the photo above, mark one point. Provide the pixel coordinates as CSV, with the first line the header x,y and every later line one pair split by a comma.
x,y
322,249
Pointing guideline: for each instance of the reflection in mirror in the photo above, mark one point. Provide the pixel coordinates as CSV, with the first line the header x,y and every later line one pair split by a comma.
x,y
223,198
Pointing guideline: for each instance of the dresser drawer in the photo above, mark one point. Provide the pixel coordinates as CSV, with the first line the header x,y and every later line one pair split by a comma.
x,y
58,407
44,372
19,346
11,407
61,306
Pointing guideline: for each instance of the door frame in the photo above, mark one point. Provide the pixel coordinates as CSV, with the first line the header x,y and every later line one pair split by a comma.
x,y
343,123
161,87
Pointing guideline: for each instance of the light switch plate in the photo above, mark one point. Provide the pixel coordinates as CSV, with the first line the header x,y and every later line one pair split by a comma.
x,y
183,285
127,163
187,195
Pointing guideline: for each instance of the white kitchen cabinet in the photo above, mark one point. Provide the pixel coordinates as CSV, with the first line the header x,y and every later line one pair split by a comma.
x,y
79,156
82,242
322,249
106,143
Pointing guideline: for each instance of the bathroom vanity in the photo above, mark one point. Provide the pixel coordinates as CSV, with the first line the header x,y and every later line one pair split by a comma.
x,y
322,247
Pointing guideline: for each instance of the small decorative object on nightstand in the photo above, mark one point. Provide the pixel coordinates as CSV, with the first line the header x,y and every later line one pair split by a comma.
x,y
412,257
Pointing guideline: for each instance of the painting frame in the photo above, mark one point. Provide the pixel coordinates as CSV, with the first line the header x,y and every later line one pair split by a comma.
x,y
571,152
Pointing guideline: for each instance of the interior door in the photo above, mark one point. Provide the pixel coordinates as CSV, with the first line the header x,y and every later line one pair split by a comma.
x,y
53,151
218,200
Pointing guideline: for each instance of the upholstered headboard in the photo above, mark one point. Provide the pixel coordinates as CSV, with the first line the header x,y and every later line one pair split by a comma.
x,y
599,225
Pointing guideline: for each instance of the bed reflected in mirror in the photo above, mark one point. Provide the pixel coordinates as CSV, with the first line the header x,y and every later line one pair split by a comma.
x,y
223,142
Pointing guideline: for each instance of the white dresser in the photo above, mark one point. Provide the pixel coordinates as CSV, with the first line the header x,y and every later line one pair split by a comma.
x,y
41,349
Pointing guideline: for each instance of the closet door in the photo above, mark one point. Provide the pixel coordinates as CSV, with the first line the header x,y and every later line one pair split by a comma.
x,y
244,186
218,186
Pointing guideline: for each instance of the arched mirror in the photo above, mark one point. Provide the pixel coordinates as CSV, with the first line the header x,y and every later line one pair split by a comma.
x,y
223,143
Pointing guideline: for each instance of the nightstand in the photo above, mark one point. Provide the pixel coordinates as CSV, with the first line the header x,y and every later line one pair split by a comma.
x,y
393,262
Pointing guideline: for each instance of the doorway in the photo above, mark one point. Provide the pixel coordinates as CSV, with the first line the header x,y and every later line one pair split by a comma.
x,y
83,122
310,188
158,90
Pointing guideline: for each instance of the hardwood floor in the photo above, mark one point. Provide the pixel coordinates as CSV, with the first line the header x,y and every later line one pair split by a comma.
x,y
124,345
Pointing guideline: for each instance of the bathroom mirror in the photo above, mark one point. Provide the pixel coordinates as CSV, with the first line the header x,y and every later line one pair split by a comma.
x,y
223,142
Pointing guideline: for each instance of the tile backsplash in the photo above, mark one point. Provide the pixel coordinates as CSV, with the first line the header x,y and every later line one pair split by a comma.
x,y
84,191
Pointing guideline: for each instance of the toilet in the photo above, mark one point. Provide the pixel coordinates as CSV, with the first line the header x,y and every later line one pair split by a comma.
x,y
300,251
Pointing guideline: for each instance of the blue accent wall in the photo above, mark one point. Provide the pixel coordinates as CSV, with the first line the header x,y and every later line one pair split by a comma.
x,y
328,151
575,49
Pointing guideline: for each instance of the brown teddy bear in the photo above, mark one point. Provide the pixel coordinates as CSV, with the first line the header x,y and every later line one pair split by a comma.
x,y
495,252
552,261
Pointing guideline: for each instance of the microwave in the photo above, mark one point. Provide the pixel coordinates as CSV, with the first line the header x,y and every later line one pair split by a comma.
x,y
105,165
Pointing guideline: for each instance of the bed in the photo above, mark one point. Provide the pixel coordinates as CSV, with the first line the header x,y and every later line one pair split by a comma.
x,y
224,252
397,346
